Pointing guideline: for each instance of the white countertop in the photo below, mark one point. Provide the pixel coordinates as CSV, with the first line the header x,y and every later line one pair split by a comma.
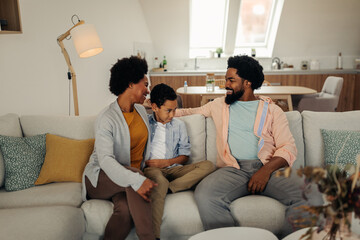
x,y
201,72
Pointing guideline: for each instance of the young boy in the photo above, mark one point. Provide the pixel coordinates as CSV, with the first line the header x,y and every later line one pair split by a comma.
x,y
170,149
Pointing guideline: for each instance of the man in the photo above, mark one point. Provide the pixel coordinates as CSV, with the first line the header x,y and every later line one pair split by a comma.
x,y
253,141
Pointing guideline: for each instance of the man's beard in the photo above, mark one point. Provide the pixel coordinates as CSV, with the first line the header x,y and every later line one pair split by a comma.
x,y
229,99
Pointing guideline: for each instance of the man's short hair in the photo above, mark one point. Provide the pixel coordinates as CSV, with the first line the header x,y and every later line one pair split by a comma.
x,y
160,93
248,68
126,71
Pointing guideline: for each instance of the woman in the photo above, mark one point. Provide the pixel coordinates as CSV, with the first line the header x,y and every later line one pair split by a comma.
x,y
121,146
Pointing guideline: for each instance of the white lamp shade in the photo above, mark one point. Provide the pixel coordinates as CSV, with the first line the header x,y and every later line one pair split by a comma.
x,y
86,40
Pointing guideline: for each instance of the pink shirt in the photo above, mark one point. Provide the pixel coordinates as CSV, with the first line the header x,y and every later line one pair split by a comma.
x,y
271,126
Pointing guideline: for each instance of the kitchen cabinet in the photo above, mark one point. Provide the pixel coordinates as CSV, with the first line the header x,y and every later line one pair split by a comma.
x,y
349,97
9,11
357,92
178,81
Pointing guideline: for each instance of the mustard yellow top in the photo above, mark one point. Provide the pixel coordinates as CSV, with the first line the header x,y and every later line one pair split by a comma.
x,y
138,137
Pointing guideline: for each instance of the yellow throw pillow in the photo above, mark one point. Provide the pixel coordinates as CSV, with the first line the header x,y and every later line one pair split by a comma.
x,y
65,159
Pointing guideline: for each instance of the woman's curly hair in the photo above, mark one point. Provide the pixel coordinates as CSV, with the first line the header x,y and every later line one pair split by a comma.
x,y
248,68
126,71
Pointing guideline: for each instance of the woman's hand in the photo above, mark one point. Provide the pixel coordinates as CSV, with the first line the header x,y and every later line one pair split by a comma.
x,y
145,189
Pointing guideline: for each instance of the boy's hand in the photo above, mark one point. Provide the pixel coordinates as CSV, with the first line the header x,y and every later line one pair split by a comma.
x,y
159,163
145,189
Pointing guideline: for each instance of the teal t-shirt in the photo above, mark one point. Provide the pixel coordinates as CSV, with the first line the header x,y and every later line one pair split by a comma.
x,y
242,141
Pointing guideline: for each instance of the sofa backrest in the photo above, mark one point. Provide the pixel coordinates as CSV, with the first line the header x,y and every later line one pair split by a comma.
x,y
202,133
9,126
211,151
65,126
295,124
296,128
83,128
314,121
195,125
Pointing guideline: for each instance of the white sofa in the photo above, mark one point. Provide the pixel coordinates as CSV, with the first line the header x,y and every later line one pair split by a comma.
x,y
56,211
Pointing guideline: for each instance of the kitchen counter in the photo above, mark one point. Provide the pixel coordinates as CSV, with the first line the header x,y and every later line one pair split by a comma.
x,y
202,72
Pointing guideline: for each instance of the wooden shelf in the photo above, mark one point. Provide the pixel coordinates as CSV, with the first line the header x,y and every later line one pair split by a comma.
x,y
10,11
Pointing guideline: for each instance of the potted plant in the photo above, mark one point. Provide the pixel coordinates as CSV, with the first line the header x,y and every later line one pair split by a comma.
x,y
342,194
219,51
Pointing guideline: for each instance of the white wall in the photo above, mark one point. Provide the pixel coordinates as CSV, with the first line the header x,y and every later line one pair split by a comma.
x,y
168,23
33,70
319,29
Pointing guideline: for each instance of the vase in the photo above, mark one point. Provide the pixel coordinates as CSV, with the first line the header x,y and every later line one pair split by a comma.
x,y
336,231
323,235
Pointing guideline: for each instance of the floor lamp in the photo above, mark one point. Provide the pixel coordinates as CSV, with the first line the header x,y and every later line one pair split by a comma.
x,y
87,44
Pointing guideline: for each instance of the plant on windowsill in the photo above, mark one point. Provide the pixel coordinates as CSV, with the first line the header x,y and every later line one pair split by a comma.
x,y
219,51
342,194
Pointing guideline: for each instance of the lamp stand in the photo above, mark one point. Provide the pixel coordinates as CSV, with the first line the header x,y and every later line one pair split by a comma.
x,y
71,69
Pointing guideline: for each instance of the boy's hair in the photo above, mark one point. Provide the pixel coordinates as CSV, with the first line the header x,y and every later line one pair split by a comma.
x,y
160,93
126,71
248,68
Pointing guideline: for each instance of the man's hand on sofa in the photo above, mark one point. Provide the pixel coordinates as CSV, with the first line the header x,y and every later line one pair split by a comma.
x,y
145,189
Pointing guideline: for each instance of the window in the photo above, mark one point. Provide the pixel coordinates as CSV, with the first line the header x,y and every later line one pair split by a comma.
x,y
206,26
235,25
253,22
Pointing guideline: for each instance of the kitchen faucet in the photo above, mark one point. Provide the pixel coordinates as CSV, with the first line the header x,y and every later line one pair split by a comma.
x,y
196,67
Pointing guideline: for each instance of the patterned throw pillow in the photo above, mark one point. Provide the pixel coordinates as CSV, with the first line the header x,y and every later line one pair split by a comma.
x,y
23,158
343,145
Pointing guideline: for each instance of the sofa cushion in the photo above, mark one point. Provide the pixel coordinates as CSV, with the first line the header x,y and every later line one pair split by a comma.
x,y
195,125
65,159
341,147
92,236
97,213
23,158
9,126
51,222
259,211
314,121
68,194
181,216
65,126
295,125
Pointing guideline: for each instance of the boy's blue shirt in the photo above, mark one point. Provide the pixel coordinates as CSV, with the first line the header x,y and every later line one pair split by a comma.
x,y
177,139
